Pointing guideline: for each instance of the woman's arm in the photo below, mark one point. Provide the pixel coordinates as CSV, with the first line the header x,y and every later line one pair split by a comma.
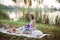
x,y
33,24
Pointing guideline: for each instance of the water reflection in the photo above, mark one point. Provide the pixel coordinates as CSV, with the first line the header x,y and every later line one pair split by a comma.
x,y
50,13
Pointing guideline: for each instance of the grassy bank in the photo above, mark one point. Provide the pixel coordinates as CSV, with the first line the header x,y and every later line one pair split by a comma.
x,y
53,30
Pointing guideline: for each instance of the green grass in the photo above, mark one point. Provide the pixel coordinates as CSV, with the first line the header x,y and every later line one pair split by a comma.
x,y
40,26
53,30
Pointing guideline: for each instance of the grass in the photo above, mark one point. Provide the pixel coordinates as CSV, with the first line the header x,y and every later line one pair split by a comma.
x,y
53,30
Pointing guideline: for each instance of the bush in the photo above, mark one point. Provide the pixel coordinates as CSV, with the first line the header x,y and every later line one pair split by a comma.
x,y
3,15
57,19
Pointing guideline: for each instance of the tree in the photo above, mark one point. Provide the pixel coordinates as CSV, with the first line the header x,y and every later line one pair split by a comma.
x,y
14,0
30,2
25,1
58,1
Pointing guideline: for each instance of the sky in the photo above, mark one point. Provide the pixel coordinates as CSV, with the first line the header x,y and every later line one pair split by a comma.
x,y
51,2
6,2
47,2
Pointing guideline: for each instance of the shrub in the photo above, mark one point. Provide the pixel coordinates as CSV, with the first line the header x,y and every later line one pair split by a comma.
x,y
3,15
57,19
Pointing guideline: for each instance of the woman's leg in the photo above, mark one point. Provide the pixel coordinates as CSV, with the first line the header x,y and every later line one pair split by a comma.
x,y
26,32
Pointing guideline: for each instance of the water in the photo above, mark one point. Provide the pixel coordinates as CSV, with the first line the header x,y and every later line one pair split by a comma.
x,y
15,14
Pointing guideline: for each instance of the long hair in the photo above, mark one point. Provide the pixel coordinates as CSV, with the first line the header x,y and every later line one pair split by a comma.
x,y
32,16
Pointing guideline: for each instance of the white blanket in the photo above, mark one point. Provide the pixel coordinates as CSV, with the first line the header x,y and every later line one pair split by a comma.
x,y
34,34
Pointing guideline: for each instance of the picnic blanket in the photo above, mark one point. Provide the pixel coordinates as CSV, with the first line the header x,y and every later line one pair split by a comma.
x,y
32,35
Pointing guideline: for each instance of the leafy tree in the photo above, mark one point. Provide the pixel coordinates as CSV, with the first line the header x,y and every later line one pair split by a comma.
x,y
14,0
25,1
30,2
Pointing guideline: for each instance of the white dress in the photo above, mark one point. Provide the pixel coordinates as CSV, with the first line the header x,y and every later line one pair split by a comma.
x,y
33,32
36,32
30,28
31,25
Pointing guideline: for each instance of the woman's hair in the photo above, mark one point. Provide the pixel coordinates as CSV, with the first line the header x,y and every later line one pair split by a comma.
x,y
32,16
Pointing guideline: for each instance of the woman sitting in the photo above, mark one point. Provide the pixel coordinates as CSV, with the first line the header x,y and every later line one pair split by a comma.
x,y
27,29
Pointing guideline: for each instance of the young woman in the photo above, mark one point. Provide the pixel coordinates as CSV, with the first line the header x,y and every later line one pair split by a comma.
x,y
27,29
32,22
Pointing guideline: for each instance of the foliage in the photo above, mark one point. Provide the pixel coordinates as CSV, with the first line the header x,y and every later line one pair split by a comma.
x,y
26,12
41,15
9,8
3,15
51,29
3,6
38,12
22,9
57,19
30,2
58,1
14,0
25,1
26,17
